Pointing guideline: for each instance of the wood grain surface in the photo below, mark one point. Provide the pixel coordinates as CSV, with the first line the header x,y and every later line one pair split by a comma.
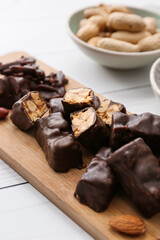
x,y
21,151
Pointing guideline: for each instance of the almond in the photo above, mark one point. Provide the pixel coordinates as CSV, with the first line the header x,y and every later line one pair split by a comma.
x,y
128,224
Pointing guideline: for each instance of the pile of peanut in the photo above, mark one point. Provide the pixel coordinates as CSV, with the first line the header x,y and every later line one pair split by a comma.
x,y
116,28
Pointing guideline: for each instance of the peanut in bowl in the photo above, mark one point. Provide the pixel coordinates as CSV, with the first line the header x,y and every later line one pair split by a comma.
x,y
111,49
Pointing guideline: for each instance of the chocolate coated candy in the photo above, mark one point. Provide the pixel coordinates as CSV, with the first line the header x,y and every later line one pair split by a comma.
x,y
56,105
128,127
78,98
138,171
62,151
22,61
107,108
89,129
27,110
12,89
97,186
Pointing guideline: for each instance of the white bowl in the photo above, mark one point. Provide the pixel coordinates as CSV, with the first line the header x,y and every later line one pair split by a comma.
x,y
155,77
113,59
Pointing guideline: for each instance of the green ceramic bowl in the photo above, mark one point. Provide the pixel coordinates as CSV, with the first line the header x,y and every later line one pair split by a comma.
x,y
113,59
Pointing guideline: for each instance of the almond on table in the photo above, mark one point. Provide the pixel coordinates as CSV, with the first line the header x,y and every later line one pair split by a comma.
x,y
128,224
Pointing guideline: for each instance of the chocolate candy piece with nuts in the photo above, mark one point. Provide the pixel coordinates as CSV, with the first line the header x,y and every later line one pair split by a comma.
x,y
12,89
56,105
138,171
30,70
89,129
107,108
28,110
125,128
24,75
22,61
97,186
78,98
61,149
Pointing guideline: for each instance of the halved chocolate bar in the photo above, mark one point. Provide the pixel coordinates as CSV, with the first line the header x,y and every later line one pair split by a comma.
x,y
138,171
78,98
107,108
89,129
97,186
28,110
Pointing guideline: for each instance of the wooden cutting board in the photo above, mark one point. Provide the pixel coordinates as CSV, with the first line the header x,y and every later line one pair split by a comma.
x,y
21,151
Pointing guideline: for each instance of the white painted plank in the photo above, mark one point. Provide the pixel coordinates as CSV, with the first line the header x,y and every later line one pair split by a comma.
x,y
28,215
8,177
86,71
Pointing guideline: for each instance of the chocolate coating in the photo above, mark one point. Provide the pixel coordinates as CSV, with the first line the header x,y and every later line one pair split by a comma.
x,y
138,171
95,135
11,90
56,105
62,151
128,127
20,115
97,186
24,75
72,104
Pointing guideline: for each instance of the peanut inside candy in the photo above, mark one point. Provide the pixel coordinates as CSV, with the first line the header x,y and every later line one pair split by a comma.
x,y
35,106
82,120
106,110
79,95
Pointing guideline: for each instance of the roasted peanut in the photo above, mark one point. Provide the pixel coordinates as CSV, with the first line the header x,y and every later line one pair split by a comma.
x,y
150,43
130,36
3,112
151,24
83,22
117,45
88,31
118,8
93,41
89,12
104,7
101,21
125,21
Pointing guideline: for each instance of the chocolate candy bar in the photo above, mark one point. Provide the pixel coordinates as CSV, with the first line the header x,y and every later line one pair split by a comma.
x,y
28,109
12,89
128,127
56,105
97,186
138,171
24,75
107,108
22,61
89,129
62,151
78,98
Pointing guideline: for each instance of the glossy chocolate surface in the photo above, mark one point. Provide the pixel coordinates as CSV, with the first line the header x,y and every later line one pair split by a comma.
x,y
97,186
56,105
95,135
128,127
71,105
24,75
21,117
138,171
62,151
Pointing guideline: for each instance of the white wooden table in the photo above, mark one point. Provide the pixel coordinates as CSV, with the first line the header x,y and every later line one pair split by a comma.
x,y
39,28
